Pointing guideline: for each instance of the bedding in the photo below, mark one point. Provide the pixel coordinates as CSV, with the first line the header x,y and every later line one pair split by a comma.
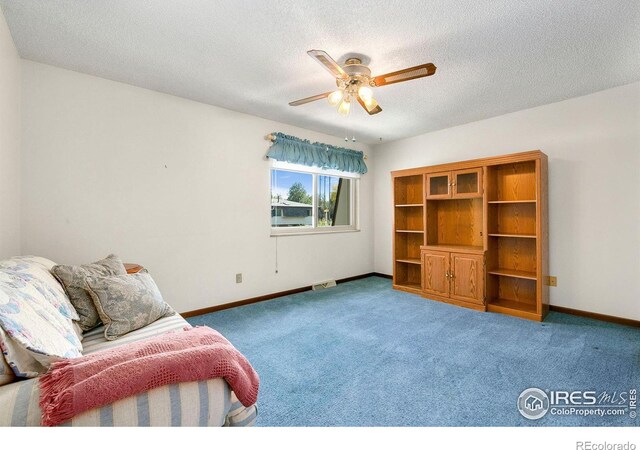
x,y
36,268
35,333
73,386
198,403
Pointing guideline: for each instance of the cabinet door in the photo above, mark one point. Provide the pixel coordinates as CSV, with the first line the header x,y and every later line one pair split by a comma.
x,y
439,185
435,266
467,183
467,277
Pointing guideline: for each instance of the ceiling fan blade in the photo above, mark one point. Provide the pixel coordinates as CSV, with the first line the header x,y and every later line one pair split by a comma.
x,y
310,99
327,62
374,110
423,70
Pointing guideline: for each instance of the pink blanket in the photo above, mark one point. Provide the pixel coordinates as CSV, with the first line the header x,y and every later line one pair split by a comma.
x,y
73,386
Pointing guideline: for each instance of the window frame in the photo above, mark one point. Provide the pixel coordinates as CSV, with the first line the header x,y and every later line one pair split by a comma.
x,y
314,228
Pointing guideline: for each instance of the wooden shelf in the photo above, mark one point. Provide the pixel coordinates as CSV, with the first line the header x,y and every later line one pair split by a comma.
x,y
407,245
512,256
512,181
410,205
408,190
409,260
455,221
409,287
514,273
501,304
526,236
409,231
454,248
513,218
407,273
502,202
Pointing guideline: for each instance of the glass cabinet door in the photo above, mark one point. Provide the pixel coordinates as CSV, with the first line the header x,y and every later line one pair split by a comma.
x,y
439,185
467,183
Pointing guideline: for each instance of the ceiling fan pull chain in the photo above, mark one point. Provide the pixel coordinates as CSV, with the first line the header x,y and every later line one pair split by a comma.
x,y
352,133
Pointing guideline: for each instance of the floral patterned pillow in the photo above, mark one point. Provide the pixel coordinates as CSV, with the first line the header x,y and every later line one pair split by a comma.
x,y
35,333
127,302
35,267
73,280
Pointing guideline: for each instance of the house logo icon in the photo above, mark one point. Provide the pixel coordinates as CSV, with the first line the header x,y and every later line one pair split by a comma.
x,y
533,403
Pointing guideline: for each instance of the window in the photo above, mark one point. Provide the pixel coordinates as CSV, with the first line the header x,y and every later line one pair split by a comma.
x,y
310,200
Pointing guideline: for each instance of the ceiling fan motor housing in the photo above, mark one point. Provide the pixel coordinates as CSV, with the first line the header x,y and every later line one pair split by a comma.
x,y
358,74
354,67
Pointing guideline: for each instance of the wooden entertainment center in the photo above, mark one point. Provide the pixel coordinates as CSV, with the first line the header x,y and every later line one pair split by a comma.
x,y
475,233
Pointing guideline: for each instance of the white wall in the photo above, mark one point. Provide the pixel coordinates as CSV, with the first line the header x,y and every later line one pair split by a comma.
x,y
9,144
94,181
178,186
593,144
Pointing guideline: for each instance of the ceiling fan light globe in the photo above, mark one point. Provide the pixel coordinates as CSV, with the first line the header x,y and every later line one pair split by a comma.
x,y
365,93
371,104
344,107
335,97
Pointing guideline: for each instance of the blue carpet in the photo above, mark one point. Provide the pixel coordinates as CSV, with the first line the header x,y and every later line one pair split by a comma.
x,y
363,354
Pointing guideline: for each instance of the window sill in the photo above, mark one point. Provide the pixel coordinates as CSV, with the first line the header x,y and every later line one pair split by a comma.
x,y
311,232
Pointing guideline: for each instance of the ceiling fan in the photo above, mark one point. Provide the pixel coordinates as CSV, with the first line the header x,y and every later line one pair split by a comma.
x,y
354,81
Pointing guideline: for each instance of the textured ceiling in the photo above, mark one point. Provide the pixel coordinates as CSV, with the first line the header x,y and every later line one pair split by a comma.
x,y
493,57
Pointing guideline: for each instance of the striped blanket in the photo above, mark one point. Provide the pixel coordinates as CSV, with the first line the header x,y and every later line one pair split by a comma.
x,y
203,403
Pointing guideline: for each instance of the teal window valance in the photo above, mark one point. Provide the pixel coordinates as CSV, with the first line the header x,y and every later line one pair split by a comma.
x,y
300,151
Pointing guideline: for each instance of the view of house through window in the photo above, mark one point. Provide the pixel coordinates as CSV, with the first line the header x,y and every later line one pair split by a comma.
x,y
310,200
291,199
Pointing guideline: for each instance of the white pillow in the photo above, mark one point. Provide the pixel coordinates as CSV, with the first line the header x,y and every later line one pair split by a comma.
x,y
36,334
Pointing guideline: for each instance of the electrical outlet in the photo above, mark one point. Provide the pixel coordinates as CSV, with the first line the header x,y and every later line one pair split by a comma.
x,y
238,278
553,281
